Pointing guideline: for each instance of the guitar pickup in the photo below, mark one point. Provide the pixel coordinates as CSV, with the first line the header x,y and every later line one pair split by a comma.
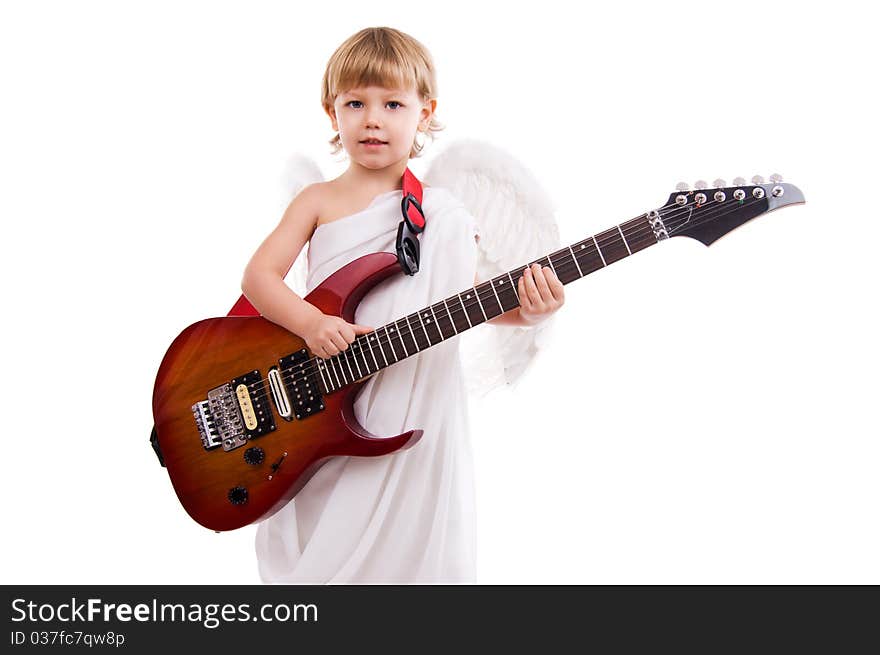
x,y
253,404
300,379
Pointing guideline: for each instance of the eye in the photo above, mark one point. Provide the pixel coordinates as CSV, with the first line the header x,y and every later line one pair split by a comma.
x,y
351,101
394,102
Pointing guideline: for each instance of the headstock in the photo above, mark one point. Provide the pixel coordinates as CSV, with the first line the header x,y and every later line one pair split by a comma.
x,y
707,214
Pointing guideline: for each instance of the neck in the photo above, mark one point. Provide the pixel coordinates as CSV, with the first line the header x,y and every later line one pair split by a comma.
x,y
381,180
448,318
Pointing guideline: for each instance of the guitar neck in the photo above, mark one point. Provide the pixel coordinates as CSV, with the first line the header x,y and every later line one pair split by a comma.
x,y
448,318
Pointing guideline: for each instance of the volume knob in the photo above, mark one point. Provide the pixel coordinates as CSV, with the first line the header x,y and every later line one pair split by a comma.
x,y
237,495
254,456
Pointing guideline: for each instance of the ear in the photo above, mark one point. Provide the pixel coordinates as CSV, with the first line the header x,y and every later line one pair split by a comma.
x,y
428,110
331,112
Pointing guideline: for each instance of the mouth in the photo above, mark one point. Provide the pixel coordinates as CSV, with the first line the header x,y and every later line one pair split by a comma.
x,y
374,142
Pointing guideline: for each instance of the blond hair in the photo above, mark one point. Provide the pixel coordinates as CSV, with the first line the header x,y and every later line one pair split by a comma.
x,y
380,56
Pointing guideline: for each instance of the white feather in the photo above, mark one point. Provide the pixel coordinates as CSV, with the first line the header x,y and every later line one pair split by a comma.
x,y
517,225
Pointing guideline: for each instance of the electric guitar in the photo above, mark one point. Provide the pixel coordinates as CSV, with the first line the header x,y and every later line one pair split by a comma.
x,y
245,414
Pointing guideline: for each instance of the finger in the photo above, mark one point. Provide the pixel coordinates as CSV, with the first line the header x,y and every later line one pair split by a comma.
x,y
531,289
541,282
557,287
339,341
554,285
524,301
360,329
347,332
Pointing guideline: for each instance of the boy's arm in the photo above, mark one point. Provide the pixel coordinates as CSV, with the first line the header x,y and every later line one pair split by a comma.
x,y
263,279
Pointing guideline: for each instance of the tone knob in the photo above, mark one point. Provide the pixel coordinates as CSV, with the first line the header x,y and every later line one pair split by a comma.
x,y
237,495
254,456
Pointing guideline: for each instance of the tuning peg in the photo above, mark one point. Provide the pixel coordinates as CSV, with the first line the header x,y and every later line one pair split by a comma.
x,y
700,184
682,186
739,181
757,179
719,183
776,178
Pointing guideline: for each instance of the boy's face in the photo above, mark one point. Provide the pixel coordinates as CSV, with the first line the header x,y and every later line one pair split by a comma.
x,y
374,112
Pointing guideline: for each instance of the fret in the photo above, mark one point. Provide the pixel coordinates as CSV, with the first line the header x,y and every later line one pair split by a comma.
x,y
333,365
320,365
369,337
345,354
473,310
395,330
387,334
506,294
589,258
338,362
378,341
580,272
477,294
513,286
598,250
497,299
422,338
437,324
464,309
358,349
362,340
612,245
628,251
640,233
407,336
451,320
354,355
563,269
372,341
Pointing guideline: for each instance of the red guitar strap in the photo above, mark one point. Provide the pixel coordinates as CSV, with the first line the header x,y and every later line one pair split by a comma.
x,y
407,244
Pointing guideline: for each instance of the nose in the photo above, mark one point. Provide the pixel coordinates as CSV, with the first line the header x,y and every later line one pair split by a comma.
x,y
371,117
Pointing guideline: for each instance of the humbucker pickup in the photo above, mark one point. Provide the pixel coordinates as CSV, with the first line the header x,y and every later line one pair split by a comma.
x,y
301,381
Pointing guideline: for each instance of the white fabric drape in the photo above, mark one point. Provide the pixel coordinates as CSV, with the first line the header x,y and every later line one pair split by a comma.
x,y
407,517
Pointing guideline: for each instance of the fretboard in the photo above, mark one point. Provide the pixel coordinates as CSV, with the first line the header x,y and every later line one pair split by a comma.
x,y
410,335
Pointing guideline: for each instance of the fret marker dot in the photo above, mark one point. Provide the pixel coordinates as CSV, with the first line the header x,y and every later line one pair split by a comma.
x,y
582,246
467,297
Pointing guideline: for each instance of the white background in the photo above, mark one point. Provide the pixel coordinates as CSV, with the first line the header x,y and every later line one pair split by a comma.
x,y
701,416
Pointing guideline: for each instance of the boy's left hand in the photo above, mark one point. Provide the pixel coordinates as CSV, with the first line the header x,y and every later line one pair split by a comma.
x,y
540,293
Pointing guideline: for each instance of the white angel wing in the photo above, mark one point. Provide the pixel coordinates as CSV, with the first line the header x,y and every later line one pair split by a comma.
x,y
299,172
516,224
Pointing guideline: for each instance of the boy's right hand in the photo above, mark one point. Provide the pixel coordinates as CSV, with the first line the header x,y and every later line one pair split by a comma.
x,y
328,335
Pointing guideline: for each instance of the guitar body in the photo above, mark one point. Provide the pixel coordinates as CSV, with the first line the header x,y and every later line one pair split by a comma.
x,y
227,489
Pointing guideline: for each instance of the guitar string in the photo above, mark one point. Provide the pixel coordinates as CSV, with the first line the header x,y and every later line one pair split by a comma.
x,y
348,356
